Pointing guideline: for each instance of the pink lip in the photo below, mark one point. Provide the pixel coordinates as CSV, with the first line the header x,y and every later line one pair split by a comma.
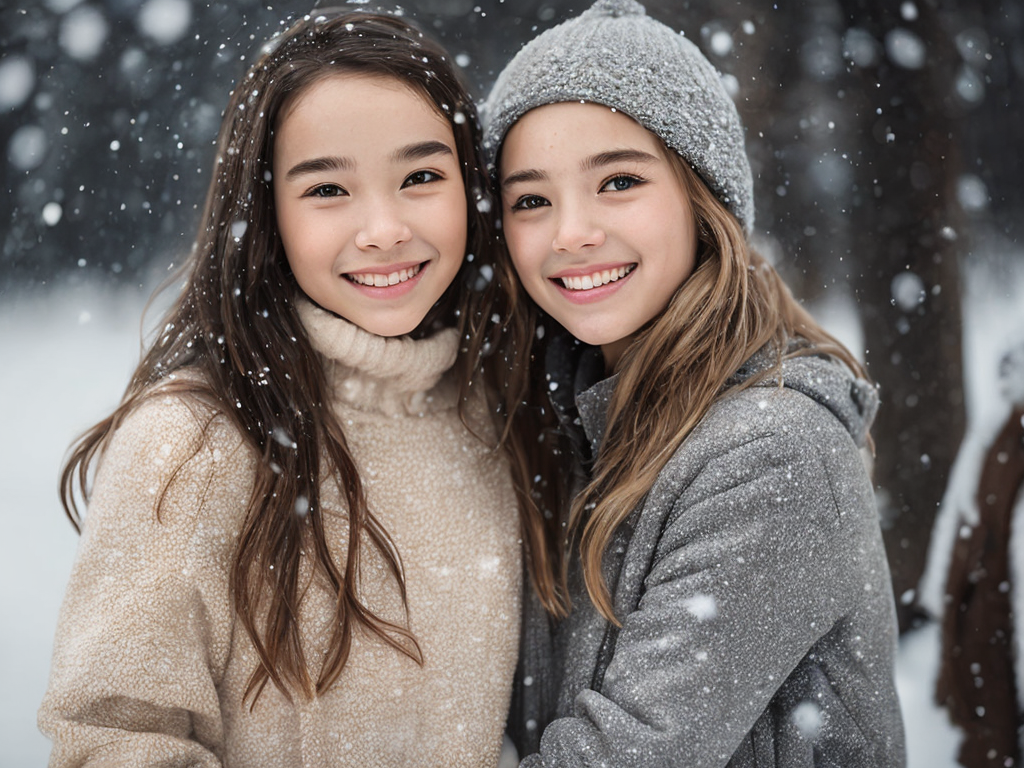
x,y
590,295
388,291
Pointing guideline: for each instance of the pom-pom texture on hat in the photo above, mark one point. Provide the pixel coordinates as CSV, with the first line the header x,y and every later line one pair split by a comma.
x,y
615,54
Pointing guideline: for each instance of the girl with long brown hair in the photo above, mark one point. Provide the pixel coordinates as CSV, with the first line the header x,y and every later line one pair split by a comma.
x,y
301,547
730,596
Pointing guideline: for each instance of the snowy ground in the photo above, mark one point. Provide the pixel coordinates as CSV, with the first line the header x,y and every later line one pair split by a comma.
x,y
66,358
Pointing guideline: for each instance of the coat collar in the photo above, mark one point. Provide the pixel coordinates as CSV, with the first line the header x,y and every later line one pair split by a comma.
x,y
580,393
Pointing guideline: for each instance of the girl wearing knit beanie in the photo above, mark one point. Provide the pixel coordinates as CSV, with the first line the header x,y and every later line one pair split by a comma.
x,y
728,595
301,548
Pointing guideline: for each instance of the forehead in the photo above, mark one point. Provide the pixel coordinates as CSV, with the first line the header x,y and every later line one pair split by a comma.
x,y
576,128
339,103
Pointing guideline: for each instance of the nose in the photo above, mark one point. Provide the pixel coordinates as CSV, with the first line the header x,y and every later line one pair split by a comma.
x,y
577,229
382,228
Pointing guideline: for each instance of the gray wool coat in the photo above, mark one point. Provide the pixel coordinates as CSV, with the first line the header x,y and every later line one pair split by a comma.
x,y
758,625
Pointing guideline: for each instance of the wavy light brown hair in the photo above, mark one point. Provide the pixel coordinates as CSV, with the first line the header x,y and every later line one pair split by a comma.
x,y
235,324
732,305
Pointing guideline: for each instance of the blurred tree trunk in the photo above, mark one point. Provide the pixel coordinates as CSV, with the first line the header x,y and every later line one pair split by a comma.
x,y
907,282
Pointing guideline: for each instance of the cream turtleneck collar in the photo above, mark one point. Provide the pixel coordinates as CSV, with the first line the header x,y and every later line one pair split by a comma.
x,y
396,375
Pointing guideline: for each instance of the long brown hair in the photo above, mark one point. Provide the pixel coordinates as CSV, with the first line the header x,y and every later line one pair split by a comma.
x,y
235,323
732,305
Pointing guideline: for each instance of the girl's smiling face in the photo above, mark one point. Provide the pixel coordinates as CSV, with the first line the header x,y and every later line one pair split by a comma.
x,y
599,227
371,206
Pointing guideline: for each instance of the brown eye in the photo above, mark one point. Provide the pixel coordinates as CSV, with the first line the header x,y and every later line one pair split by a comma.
x,y
529,202
421,177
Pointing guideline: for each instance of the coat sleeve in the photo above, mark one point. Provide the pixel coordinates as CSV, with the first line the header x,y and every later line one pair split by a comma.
x,y
750,570
145,627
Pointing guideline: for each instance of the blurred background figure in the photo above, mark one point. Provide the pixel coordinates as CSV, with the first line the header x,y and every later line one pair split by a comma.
x,y
981,670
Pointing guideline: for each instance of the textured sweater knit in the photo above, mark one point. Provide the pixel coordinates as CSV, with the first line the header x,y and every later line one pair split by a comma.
x,y
151,661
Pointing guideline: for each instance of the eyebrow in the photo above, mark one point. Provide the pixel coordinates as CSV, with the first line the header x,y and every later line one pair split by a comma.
x,y
602,159
319,165
408,153
420,150
520,176
593,162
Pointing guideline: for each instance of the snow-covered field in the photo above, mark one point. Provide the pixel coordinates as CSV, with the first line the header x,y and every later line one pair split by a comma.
x,y
66,357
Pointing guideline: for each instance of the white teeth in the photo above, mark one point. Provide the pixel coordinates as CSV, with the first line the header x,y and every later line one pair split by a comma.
x,y
381,281
596,280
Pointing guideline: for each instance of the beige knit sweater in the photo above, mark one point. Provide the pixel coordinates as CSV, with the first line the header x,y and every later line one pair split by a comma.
x,y
150,661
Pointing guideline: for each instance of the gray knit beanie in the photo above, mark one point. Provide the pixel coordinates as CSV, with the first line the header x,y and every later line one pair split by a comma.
x,y
616,55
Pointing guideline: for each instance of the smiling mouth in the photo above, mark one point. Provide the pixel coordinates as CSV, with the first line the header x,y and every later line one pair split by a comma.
x,y
382,280
596,280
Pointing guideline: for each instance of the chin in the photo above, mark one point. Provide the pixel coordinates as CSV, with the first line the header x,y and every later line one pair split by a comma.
x,y
595,338
392,332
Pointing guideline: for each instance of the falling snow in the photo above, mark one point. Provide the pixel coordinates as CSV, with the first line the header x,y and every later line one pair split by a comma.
x,y
907,291
27,147
972,193
17,79
721,43
52,213
165,21
83,32
702,607
808,719
110,111
905,48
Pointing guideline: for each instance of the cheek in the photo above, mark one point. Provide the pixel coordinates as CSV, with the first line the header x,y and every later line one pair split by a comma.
x,y
514,243
284,232
289,225
307,248
449,221
454,233
527,269
520,245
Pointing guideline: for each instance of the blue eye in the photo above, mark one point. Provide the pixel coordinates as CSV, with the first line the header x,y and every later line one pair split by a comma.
x,y
529,202
421,177
621,183
326,190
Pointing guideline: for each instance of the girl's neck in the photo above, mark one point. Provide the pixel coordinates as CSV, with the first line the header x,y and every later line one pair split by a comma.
x,y
613,353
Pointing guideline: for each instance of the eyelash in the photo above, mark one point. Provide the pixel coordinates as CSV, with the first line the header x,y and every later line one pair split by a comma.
x,y
339,191
318,191
524,202
636,181
436,177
